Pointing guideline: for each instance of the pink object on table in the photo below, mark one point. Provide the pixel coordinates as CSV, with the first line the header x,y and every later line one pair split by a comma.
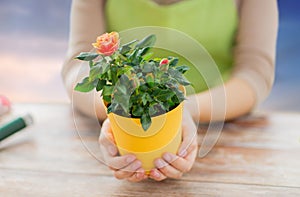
x,y
4,105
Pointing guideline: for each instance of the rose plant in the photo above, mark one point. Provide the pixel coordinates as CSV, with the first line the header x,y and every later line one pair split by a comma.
x,y
133,84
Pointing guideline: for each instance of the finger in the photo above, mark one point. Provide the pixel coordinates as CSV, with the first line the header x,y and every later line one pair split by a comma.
x,y
109,150
156,175
106,128
167,170
129,170
119,162
106,139
179,163
191,157
138,176
189,139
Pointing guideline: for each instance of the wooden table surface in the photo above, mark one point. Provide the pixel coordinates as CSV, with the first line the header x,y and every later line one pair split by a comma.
x,y
255,156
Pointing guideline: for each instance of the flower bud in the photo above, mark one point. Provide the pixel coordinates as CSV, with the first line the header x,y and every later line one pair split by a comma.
x,y
164,64
164,61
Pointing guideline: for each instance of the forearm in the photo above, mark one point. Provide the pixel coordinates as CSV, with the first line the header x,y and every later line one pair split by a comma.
x,y
254,66
87,103
226,102
87,22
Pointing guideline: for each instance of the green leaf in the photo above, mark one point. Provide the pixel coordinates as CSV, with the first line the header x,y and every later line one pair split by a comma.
x,y
137,111
147,56
104,67
173,62
144,88
107,98
124,50
145,121
156,91
165,95
148,41
132,56
107,90
179,95
171,102
182,68
150,79
98,70
178,77
113,74
124,70
115,108
155,109
121,99
139,75
109,109
148,67
100,85
86,85
143,51
121,89
124,81
91,63
152,110
126,47
146,98
166,106
87,56
137,60
130,43
95,71
121,95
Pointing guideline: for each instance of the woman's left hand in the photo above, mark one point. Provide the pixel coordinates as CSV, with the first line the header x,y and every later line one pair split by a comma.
x,y
173,166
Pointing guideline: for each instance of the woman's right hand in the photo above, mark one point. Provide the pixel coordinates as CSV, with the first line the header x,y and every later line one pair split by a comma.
x,y
124,167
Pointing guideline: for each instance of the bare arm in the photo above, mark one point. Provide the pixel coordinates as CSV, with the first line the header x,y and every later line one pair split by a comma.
x,y
254,59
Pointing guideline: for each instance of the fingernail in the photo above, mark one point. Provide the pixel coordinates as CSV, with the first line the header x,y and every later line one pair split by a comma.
x,y
156,174
136,165
182,153
159,163
130,158
112,150
140,175
167,157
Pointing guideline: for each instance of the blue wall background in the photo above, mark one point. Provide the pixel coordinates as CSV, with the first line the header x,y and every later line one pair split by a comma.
x,y
286,92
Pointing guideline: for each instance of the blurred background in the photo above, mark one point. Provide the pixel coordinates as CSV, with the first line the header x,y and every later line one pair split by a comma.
x,y
34,36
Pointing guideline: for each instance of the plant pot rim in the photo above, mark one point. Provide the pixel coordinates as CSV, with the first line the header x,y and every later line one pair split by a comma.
x,y
182,88
157,116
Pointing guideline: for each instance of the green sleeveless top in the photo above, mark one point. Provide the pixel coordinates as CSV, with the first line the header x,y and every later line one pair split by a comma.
x,y
212,23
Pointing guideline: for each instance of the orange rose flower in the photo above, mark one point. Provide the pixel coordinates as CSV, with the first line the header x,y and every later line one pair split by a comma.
x,y
107,43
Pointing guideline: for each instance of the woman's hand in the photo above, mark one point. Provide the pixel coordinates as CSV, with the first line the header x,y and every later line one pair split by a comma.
x,y
124,167
173,166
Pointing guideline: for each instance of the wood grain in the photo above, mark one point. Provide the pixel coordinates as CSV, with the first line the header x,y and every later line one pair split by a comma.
x,y
57,156
20,183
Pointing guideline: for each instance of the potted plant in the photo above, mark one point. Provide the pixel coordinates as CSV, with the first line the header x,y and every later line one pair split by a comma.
x,y
143,95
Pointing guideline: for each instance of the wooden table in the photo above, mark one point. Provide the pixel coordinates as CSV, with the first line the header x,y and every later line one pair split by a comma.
x,y
255,156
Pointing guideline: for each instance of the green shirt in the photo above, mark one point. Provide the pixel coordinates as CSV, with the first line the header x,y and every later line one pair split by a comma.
x,y
212,23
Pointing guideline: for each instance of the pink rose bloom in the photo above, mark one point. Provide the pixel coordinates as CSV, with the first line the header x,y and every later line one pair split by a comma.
x,y
107,43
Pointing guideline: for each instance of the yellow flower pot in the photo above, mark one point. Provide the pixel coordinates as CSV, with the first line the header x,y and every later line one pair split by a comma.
x,y
164,135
